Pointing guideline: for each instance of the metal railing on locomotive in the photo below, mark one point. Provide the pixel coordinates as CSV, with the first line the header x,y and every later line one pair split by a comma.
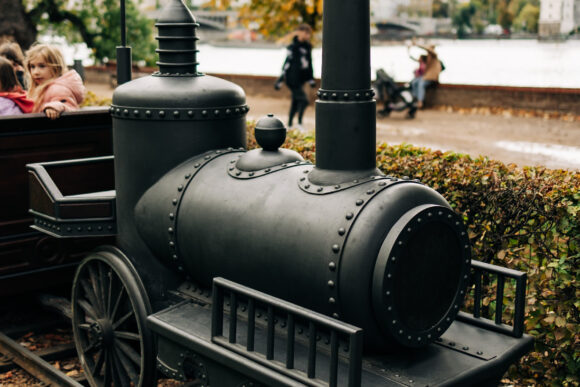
x,y
384,254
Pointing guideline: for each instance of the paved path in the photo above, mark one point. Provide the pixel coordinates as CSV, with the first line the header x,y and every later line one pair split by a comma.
x,y
524,141
554,143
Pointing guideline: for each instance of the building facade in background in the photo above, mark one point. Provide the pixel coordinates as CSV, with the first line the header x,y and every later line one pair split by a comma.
x,y
386,9
558,17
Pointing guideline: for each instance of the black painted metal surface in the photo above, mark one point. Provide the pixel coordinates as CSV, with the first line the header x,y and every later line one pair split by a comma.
x,y
320,249
83,209
109,309
270,134
160,121
345,109
465,356
339,240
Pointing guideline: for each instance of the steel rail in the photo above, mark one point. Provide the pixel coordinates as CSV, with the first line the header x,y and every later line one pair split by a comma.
x,y
34,364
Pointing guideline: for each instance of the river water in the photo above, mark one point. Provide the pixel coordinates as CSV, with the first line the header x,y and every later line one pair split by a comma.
x,y
497,62
476,62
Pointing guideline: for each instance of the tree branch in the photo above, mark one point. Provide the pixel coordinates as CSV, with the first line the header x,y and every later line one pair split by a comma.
x,y
57,15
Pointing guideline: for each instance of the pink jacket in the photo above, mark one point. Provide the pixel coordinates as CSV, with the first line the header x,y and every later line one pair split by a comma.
x,y
63,94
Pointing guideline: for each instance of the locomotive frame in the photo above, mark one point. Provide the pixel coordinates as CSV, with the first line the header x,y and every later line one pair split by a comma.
x,y
327,274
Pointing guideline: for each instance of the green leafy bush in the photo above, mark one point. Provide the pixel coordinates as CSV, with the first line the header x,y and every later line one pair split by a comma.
x,y
526,219
91,99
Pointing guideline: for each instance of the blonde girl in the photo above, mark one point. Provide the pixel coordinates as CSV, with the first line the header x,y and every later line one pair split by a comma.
x,y
53,87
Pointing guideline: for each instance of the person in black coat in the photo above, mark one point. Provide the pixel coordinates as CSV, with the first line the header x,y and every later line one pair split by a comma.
x,y
297,70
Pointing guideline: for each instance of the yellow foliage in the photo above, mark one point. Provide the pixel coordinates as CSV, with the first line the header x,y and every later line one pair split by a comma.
x,y
220,5
276,18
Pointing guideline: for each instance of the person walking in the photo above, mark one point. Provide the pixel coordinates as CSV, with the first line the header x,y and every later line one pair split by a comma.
x,y
296,71
430,75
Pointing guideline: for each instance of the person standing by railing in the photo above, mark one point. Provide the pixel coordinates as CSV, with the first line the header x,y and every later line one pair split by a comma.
x,y
430,76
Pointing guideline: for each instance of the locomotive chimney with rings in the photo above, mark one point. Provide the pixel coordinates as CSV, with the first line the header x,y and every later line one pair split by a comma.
x,y
161,120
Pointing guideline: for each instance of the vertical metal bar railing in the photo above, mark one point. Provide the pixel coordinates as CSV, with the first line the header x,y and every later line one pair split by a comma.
x,y
481,268
333,382
311,350
499,298
251,325
290,342
233,317
477,293
217,312
270,336
355,368
520,305
316,323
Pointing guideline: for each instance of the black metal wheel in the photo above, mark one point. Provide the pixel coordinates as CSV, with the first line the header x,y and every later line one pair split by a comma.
x,y
110,306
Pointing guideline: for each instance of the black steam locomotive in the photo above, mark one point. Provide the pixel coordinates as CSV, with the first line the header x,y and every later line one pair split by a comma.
x,y
247,268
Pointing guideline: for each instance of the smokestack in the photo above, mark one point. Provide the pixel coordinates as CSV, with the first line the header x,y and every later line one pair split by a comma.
x,y
177,40
345,109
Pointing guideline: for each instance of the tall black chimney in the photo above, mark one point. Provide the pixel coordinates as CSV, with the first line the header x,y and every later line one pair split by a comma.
x,y
345,109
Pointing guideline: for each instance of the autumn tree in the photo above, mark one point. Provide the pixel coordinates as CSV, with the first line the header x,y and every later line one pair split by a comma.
x,y
527,19
95,22
440,9
505,16
276,18
15,23
462,19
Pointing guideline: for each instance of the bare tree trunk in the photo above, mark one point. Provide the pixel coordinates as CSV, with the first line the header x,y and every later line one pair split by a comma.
x,y
15,24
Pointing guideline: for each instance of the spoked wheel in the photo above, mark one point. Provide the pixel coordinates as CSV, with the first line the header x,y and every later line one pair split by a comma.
x,y
110,306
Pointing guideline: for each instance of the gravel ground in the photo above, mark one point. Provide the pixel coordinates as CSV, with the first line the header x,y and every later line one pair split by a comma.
x,y
23,310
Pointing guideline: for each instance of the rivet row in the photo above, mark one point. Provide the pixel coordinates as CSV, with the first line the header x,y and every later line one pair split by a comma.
x,y
346,95
178,114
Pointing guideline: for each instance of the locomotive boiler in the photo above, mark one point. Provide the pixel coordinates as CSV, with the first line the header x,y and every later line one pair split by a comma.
x,y
330,273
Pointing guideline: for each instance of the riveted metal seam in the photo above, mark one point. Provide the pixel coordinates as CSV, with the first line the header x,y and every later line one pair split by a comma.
x,y
345,230
425,216
246,175
362,95
180,189
178,114
357,210
313,189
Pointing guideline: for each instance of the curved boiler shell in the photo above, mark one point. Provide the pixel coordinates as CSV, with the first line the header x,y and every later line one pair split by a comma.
x,y
387,255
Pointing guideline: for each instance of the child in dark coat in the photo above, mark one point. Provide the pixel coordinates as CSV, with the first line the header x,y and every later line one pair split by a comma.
x,y
297,70
13,52
13,99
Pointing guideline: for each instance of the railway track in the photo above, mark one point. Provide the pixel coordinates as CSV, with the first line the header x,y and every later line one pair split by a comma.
x,y
37,346
36,343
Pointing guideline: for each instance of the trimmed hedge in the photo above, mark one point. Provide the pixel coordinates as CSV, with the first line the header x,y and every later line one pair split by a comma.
x,y
526,219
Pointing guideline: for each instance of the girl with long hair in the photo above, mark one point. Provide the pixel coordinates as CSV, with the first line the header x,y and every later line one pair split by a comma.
x,y
13,99
53,87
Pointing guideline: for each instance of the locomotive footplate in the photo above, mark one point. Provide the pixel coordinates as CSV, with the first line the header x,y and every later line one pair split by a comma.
x,y
189,348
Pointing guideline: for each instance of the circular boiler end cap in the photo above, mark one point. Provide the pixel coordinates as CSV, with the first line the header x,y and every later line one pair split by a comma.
x,y
270,132
421,275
